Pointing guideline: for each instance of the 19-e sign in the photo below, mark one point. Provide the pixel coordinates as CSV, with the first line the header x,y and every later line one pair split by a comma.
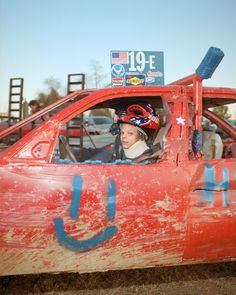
x,y
138,61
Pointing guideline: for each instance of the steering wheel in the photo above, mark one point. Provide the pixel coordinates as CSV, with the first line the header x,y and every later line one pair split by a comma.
x,y
65,150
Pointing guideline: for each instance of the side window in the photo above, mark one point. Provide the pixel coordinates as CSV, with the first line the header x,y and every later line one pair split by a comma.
x,y
218,142
95,135
86,137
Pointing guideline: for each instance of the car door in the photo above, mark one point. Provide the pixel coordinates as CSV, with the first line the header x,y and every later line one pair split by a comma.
x,y
212,216
60,216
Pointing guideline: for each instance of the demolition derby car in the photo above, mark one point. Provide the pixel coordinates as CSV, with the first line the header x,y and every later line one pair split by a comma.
x,y
65,209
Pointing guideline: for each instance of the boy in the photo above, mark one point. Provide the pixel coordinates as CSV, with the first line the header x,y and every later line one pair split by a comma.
x,y
136,126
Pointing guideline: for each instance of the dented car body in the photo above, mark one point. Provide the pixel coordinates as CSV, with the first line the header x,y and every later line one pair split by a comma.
x,y
58,215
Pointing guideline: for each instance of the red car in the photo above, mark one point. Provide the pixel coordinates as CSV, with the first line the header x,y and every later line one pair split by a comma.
x,y
61,214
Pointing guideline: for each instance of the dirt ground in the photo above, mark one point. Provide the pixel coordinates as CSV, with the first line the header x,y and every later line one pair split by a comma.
x,y
205,279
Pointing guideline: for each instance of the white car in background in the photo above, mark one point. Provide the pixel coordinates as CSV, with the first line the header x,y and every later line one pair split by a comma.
x,y
102,123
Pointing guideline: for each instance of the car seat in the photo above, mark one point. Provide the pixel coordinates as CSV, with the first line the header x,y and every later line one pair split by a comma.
x,y
212,145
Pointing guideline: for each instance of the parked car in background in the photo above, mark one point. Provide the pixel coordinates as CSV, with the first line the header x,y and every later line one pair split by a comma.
x,y
12,138
4,124
73,128
101,123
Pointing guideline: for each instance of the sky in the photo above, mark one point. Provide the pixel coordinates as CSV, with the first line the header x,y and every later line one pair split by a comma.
x,y
54,38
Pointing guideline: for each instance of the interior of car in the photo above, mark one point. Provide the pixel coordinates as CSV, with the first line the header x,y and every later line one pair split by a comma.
x,y
101,147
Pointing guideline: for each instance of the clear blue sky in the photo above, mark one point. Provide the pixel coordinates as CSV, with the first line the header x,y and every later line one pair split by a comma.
x,y
52,38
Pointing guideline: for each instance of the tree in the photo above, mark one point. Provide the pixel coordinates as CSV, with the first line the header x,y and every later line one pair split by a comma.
x,y
52,95
97,78
222,111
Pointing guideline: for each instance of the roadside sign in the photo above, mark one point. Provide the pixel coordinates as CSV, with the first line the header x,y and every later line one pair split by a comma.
x,y
133,68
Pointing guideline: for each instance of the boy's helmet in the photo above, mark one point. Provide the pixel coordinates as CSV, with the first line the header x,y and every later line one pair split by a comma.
x,y
141,115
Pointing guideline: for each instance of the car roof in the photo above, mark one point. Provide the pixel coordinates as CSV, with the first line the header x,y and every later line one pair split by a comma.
x,y
212,96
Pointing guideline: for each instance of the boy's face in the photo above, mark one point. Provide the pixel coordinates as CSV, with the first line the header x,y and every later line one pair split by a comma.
x,y
128,135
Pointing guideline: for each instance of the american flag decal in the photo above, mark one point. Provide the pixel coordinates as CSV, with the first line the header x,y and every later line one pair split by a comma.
x,y
121,57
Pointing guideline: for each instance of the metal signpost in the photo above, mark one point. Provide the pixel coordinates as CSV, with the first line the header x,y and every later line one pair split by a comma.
x,y
132,68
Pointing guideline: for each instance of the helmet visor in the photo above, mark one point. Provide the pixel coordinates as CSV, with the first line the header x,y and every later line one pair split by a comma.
x,y
137,111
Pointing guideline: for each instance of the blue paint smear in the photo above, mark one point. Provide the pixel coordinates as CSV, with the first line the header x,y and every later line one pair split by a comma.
x,y
111,205
103,235
211,185
98,162
77,187
227,185
70,242
209,179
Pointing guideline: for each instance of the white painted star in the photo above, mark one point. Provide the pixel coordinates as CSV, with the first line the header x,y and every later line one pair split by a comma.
x,y
180,120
